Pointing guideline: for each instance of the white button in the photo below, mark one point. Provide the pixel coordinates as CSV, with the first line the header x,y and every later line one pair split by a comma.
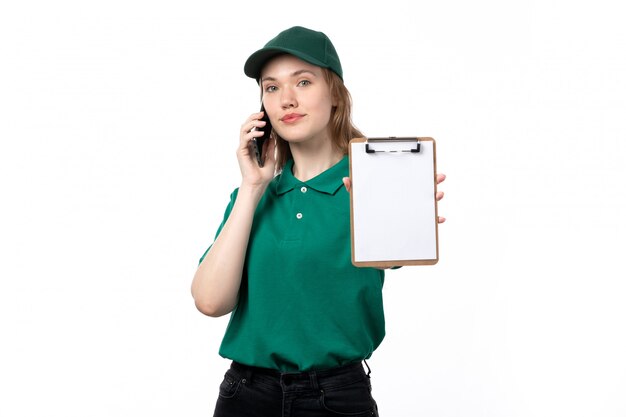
x,y
303,189
299,216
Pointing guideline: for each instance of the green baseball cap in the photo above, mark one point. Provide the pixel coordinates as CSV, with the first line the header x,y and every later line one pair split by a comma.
x,y
308,45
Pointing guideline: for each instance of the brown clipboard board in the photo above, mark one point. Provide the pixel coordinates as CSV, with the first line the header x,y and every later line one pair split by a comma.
x,y
391,181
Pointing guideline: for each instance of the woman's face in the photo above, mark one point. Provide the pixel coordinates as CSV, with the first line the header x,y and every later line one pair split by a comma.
x,y
297,99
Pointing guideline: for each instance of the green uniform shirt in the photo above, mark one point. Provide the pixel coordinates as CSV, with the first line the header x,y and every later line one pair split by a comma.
x,y
302,304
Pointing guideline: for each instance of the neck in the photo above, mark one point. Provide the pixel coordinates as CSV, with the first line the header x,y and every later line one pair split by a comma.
x,y
309,163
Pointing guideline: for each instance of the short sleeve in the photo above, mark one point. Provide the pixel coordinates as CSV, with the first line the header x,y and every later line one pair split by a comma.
x,y
229,208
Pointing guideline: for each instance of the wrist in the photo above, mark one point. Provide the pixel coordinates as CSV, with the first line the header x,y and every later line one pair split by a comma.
x,y
253,191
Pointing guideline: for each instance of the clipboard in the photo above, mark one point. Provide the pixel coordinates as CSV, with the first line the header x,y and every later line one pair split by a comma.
x,y
393,210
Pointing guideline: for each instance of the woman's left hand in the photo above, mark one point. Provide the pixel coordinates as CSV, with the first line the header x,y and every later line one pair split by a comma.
x,y
440,178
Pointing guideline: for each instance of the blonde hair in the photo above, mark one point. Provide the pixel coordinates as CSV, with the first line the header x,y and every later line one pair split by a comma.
x,y
341,128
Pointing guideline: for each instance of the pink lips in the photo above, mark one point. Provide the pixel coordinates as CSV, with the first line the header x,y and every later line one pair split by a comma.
x,y
291,118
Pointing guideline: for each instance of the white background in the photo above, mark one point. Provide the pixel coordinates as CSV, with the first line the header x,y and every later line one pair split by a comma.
x,y
118,126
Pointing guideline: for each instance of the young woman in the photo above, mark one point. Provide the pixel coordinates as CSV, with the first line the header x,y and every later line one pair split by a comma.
x,y
303,317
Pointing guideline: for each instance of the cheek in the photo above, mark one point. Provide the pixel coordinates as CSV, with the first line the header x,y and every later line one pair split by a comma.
x,y
324,106
327,110
271,108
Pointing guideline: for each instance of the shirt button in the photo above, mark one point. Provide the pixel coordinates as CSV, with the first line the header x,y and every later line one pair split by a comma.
x,y
299,216
303,189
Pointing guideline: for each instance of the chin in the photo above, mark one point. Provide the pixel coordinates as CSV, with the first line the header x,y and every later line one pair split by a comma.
x,y
292,137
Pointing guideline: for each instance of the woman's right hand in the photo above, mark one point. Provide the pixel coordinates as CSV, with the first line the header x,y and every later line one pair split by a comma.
x,y
216,284
252,174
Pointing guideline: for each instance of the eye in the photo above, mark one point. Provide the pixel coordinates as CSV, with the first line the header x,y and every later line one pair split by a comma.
x,y
304,83
270,88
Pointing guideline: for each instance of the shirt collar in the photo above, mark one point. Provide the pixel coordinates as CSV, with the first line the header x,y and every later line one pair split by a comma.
x,y
327,182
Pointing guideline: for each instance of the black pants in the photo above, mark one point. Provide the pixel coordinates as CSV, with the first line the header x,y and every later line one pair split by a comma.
x,y
257,392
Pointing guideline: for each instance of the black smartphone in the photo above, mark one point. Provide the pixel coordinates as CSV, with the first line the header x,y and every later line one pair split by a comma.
x,y
257,143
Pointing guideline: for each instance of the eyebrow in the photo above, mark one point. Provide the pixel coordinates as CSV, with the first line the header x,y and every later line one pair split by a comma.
x,y
294,74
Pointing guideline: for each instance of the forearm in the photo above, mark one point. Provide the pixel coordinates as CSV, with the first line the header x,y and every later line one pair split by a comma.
x,y
215,286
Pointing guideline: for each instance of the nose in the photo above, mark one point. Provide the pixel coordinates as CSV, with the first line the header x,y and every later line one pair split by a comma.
x,y
288,98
